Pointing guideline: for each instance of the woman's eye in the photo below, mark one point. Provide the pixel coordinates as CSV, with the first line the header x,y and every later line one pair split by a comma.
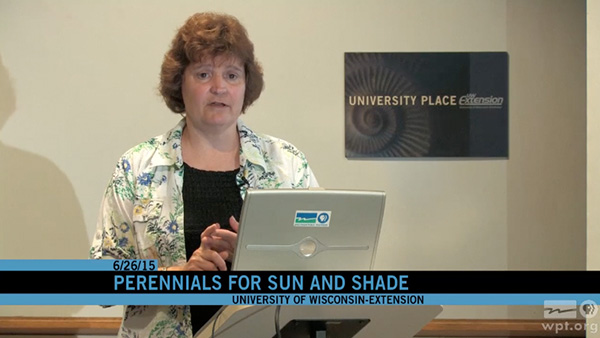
x,y
202,75
233,76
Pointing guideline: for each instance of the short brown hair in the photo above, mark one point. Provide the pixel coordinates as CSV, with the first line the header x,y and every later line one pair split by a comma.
x,y
208,35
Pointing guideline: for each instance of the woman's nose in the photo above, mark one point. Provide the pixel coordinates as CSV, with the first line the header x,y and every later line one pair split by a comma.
x,y
218,85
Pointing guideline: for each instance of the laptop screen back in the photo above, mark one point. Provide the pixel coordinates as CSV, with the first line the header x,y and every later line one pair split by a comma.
x,y
306,229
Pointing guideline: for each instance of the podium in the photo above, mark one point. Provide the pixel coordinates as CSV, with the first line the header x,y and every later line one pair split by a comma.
x,y
320,321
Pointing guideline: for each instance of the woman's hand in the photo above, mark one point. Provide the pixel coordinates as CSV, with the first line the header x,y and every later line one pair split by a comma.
x,y
217,245
207,257
227,240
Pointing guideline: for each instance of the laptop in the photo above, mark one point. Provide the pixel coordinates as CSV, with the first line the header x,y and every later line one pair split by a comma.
x,y
309,229
313,229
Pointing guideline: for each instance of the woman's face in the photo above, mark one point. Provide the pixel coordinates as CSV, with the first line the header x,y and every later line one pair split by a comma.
x,y
213,92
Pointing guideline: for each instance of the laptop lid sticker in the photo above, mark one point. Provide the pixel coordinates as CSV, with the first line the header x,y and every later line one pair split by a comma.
x,y
312,219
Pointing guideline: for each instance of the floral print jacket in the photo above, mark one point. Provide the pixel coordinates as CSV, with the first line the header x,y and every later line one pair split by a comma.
x,y
141,215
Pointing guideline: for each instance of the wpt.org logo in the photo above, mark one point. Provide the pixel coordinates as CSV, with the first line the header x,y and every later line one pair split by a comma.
x,y
312,218
588,309
564,309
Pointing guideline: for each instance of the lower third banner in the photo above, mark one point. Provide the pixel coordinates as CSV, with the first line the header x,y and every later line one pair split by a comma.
x,y
291,299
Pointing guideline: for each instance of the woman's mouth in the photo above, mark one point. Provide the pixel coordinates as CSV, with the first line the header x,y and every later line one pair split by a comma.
x,y
218,104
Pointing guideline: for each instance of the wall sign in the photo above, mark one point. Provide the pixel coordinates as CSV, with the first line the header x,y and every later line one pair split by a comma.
x,y
426,104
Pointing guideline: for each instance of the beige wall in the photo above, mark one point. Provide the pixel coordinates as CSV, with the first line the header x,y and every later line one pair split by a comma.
x,y
593,144
546,170
83,77
547,167
593,132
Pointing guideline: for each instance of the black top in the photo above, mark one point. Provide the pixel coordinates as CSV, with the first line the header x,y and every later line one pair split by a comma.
x,y
208,197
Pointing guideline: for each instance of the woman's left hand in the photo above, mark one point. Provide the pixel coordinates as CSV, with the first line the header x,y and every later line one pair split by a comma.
x,y
224,241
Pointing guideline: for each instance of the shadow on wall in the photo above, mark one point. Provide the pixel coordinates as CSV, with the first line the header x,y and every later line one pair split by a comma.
x,y
41,216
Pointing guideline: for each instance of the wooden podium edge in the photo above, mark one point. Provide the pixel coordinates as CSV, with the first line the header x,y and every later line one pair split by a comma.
x,y
503,328
435,328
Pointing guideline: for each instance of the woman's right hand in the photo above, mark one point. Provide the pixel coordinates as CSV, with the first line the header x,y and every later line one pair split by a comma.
x,y
208,257
217,245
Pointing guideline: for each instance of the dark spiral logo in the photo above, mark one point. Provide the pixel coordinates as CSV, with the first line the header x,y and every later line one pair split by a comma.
x,y
384,130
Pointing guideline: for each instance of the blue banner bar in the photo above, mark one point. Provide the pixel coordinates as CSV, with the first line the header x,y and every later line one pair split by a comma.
x,y
78,265
291,299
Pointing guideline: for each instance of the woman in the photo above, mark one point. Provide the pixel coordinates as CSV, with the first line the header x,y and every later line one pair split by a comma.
x,y
177,197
